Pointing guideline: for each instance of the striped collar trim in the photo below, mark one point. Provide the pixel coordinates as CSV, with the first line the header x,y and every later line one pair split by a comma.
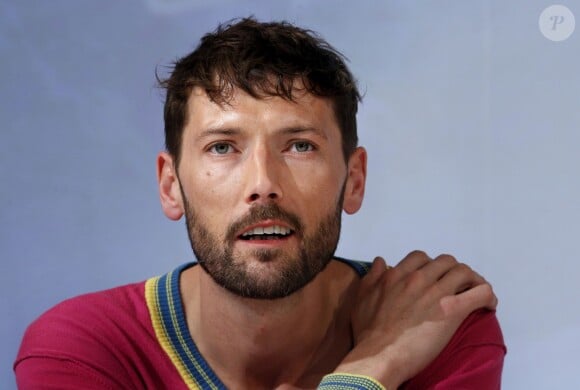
x,y
361,267
168,319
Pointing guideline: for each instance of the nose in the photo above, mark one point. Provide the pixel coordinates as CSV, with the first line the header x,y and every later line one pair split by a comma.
x,y
263,177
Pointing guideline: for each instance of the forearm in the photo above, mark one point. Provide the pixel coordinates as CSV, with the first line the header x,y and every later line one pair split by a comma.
x,y
473,359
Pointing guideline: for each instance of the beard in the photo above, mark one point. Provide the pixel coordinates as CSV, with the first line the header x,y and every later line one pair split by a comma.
x,y
294,270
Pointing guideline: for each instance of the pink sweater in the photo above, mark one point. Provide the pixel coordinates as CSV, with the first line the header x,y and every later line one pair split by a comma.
x,y
135,337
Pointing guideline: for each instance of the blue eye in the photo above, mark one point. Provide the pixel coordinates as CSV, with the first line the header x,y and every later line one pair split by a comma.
x,y
221,148
302,146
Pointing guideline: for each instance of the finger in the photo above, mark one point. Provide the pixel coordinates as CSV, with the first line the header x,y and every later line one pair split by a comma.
x,y
368,293
379,265
436,269
481,296
459,279
412,262
377,269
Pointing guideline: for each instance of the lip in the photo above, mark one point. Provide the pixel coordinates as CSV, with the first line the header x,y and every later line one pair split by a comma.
x,y
267,244
264,224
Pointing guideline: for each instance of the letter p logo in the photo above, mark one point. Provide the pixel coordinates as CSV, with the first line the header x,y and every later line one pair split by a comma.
x,y
557,23
557,19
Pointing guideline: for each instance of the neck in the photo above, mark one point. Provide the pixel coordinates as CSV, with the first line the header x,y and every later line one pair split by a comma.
x,y
264,343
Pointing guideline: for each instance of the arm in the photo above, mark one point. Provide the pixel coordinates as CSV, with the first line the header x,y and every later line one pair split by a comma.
x,y
41,372
473,359
408,314
59,351
86,342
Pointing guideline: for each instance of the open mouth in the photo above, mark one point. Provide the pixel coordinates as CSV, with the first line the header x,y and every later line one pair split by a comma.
x,y
275,232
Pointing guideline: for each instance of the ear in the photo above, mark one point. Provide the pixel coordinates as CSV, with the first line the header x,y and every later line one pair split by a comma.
x,y
354,189
169,191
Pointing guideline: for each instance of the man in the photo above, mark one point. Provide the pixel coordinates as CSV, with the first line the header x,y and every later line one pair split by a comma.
x,y
262,158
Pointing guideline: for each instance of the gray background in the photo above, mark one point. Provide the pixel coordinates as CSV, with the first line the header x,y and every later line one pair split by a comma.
x,y
470,118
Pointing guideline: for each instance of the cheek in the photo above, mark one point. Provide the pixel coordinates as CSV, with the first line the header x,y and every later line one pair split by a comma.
x,y
214,189
322,176
320,189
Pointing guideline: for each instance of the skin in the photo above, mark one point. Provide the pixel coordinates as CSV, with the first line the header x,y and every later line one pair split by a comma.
x,y
406,315
290,153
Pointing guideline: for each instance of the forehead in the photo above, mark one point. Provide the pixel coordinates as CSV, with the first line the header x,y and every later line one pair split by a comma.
x,y
242,109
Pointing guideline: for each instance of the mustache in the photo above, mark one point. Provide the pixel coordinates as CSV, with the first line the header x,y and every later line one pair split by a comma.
x,y
259,213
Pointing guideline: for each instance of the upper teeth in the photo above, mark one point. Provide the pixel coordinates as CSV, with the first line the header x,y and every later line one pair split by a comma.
x,y
268,230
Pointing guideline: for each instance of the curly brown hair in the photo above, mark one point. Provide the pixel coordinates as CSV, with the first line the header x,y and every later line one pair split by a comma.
x,y
262,59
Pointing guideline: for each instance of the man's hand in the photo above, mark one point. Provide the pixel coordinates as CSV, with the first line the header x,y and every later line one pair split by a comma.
x,y
407,314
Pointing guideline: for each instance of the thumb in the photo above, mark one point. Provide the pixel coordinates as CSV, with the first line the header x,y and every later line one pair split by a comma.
x,y
478,297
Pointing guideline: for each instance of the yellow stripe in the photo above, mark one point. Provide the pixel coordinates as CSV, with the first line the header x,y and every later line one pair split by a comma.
x,y
171,302
161,332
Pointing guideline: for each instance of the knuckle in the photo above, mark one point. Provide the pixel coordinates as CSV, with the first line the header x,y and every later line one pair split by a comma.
x,y
446,258
463,269
467,269
418,253
487,290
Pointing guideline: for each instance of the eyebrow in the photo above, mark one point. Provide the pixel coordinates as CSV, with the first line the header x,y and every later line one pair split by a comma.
x,y
306,129
218,131
292,130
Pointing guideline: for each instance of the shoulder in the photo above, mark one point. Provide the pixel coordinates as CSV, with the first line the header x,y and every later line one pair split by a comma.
x,y
472,359
81,316
91,332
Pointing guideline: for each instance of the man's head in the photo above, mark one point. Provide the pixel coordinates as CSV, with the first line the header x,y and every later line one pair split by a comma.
x,y
261,155
261,59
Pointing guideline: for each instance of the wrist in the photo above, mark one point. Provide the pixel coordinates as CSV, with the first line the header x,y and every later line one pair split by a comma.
x,y
341,380
377,368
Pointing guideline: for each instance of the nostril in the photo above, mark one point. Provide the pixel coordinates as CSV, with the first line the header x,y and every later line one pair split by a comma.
x,y
271,196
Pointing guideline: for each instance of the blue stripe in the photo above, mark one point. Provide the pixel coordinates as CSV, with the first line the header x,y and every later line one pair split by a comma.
x,y
361,267
181,326
168,286
190,344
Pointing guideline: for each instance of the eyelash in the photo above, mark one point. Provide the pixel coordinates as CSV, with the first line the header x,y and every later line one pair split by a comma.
x,y
293,144
310,145
212,148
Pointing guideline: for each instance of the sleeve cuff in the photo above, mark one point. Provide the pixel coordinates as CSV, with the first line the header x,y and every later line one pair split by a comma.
x,y
341,381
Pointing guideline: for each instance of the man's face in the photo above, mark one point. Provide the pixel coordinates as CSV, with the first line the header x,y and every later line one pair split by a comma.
x,y
262,184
